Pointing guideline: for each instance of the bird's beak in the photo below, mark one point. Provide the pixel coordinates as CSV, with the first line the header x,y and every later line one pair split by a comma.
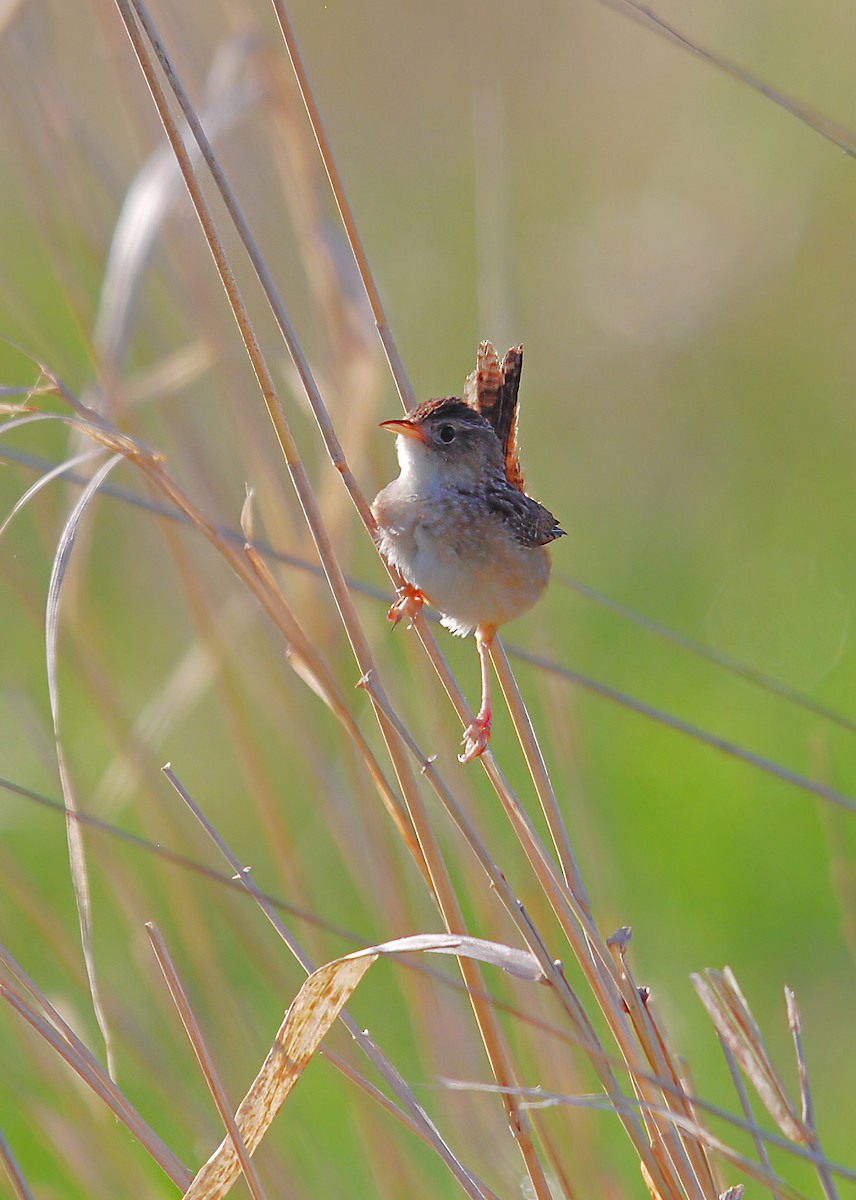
x,y
405,427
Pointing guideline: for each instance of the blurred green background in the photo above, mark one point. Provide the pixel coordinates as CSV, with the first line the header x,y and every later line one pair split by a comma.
x,y
678,256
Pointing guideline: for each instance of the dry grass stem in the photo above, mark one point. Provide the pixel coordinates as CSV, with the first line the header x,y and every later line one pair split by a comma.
x,y
205,1059
795,1024
396,363
94,1076
452,915
746,1106
13,1170
727,1008
309,1018
512,879
417,1115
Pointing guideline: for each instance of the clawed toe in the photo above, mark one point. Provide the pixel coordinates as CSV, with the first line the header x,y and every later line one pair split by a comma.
x,y
476,738
408,605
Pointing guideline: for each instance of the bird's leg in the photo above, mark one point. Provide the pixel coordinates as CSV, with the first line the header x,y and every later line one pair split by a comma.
x,y
477,735
409,604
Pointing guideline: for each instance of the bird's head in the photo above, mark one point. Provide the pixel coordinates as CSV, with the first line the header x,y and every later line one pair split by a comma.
x,y
448,442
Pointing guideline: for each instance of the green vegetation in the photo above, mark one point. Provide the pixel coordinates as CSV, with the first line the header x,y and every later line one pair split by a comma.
x,y
673,249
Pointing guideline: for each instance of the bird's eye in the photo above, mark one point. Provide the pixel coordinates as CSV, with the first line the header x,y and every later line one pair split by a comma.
x,y
447,434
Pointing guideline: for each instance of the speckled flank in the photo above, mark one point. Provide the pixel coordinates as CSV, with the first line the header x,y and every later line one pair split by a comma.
x,y
465,560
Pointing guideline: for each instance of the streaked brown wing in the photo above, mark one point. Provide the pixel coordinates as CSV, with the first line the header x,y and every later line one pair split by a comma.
x,y
493,389
529,522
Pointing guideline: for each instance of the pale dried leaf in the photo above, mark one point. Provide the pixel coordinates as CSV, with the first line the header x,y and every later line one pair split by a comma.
x,y
315,1008
77,860
519,963
44,480
313,1011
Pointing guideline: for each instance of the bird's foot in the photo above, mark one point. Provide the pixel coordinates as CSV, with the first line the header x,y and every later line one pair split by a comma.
x,y
476,737
409,604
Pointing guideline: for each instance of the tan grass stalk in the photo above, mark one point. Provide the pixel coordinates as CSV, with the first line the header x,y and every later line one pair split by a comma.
x,y
746,1106
614,996
423,1124
396,363
57,1034
795,1025
497,1052
307,662
584,1031
538,770
205,1058
13,1170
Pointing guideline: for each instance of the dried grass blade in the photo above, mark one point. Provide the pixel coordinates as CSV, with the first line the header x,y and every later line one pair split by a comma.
x,y
76,855
396,363
415,1113
795,1023
734,1023
94,1076
745,1104
205,1059
520,963
316,1006
312,1012
44,480
13,1170
843,138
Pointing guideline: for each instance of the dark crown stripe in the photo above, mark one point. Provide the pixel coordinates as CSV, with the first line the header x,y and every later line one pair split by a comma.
x,y
447,406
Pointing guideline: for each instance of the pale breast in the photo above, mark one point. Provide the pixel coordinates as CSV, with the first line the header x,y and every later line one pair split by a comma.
x,y
454,550
396,511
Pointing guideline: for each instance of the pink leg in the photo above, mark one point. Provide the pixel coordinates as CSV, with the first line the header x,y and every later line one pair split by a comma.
x,y
409,604
477,735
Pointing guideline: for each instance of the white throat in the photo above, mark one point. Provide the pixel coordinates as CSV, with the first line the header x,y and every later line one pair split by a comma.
x,y
421,470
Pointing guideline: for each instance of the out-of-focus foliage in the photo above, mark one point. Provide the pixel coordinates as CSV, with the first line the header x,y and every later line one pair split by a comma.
x,y
677,255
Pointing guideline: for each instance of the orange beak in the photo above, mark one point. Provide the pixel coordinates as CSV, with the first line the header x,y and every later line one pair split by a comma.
x,y
405,427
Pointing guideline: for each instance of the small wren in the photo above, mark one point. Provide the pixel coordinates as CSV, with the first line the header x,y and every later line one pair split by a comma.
x,y
457,523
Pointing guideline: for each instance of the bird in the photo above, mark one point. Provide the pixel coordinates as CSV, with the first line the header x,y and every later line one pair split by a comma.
x,y
457,523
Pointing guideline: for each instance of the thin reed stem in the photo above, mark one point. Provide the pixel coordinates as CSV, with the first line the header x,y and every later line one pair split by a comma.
x,y
538,771
205,1059
492,1037
396,363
